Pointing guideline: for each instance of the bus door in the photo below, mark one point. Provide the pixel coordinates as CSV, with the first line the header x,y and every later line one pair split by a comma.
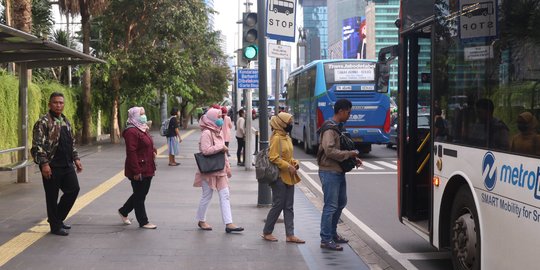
x,y
414,137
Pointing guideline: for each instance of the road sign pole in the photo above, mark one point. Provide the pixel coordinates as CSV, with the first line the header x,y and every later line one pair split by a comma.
x,y
278,84
265,193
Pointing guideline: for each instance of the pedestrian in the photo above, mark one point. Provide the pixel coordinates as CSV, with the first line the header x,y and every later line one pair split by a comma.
x,y
281,154
227,125
240,134
53,149
173,137
332,177
212,142
139,167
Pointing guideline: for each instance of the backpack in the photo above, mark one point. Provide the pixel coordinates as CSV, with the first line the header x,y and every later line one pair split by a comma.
x,y
345,143
164,130
266,172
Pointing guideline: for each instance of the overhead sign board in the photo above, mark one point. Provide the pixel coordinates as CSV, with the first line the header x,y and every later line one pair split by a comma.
x,y
478,19
279,51
280,19
248,78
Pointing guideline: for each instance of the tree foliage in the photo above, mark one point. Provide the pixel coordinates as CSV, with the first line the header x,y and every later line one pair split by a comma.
x,y
156,47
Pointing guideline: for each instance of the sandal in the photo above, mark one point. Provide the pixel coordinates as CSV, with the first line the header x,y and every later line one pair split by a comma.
x,y
294,239
269,237
174,164
206,227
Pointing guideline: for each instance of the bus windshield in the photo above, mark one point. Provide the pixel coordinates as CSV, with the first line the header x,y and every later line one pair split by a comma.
x,y
349,73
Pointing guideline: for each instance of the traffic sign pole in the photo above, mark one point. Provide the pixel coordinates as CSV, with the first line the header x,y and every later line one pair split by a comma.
x,y
265,193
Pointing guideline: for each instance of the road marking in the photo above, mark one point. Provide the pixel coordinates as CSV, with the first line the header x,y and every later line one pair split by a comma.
x,y
21,242
401,258
387,164
310,165
371,166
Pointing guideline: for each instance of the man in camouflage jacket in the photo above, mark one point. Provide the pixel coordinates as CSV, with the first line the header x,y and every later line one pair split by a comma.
x,y
53,149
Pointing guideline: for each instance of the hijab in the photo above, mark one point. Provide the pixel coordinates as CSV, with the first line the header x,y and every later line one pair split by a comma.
x,y
279,122
133,118
208,120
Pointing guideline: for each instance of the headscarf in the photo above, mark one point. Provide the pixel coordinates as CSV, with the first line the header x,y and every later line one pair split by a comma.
x,y
208,120
529,119
280,121
133,118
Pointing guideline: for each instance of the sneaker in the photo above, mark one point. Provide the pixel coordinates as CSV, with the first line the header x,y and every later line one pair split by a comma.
x,y
340,240
331,246
149,226
125,220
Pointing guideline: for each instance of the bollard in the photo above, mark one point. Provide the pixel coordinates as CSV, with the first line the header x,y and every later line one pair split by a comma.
x,y
256,142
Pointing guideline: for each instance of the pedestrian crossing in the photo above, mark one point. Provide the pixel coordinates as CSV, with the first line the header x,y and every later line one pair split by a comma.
x,y
368,167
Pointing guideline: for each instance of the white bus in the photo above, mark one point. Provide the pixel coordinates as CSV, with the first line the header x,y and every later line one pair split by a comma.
x,y
472,187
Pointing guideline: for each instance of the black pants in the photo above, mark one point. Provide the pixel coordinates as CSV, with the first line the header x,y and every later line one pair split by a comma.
x,y
241,145
65,179
136,200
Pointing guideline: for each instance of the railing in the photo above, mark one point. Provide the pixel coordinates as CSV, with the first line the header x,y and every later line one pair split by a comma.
x,y
16,165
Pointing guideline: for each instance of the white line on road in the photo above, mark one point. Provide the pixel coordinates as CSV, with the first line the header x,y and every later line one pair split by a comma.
x,y
401,258
387,164
359,173
310,165
371,166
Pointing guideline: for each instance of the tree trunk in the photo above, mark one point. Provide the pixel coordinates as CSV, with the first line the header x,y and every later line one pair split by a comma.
x,y
22,15
86,91
114,127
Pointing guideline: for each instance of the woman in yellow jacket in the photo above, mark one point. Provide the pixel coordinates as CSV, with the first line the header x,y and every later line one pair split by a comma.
x,y
281,154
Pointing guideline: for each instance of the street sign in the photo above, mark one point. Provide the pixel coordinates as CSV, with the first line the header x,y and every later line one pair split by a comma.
x,y
248,78
281,19
478,19
279,51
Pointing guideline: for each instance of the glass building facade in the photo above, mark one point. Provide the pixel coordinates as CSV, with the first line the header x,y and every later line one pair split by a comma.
x,y
315,13
211,19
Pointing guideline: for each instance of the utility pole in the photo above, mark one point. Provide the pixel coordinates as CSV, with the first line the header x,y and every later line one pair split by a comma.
x,y
278,84
265,194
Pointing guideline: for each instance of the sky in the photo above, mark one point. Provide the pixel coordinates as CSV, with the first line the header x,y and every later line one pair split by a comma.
x,y
226,20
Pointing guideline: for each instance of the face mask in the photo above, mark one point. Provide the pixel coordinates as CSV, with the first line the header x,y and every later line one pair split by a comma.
x,y
142,119
288,128
522,127
219,122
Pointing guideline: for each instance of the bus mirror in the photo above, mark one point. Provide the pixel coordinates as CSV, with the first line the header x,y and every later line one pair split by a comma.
x,y
386,57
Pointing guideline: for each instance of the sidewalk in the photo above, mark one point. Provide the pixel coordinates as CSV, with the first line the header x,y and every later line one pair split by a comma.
x,y
98,240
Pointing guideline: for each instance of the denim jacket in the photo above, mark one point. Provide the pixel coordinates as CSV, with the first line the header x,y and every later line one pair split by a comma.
x,y
45,138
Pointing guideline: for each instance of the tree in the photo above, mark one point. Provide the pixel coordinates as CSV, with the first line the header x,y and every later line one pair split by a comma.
x,y
85,8
156,47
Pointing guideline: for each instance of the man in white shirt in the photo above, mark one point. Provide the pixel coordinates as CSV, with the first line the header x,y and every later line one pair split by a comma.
x,y
240,136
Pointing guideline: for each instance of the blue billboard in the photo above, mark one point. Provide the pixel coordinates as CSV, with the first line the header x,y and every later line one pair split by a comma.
x,y
354,38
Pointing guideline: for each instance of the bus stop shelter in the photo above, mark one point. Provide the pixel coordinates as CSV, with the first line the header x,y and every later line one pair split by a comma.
x,y
28,52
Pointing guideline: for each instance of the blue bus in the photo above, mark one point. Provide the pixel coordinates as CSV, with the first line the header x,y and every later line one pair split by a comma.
x,y
313,89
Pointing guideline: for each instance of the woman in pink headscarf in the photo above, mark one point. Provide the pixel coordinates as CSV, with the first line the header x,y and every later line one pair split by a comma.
x,y
139,167
212,142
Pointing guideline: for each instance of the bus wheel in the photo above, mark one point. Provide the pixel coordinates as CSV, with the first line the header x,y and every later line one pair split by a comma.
x,y
275,10
465,232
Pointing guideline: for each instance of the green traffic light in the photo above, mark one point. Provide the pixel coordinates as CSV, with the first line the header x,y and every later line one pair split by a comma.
x,y
250,52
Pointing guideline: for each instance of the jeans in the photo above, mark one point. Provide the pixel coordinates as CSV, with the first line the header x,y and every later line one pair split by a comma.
x,y
334,189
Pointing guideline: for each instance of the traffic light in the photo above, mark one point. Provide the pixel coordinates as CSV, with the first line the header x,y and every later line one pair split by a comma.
x,y
250,39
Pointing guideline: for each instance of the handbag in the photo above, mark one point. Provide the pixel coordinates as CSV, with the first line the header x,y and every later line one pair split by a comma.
x,y
210,163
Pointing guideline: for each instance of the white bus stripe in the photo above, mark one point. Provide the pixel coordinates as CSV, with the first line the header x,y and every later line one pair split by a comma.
x,y
387,164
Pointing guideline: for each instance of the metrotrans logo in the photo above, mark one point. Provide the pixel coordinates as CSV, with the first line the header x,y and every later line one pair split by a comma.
x,y
516,176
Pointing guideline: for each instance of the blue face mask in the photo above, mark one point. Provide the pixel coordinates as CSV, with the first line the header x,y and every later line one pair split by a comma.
x,y
219,122
143,119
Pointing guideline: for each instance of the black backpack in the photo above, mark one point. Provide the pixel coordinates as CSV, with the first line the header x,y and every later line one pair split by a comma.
x,y
345,143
